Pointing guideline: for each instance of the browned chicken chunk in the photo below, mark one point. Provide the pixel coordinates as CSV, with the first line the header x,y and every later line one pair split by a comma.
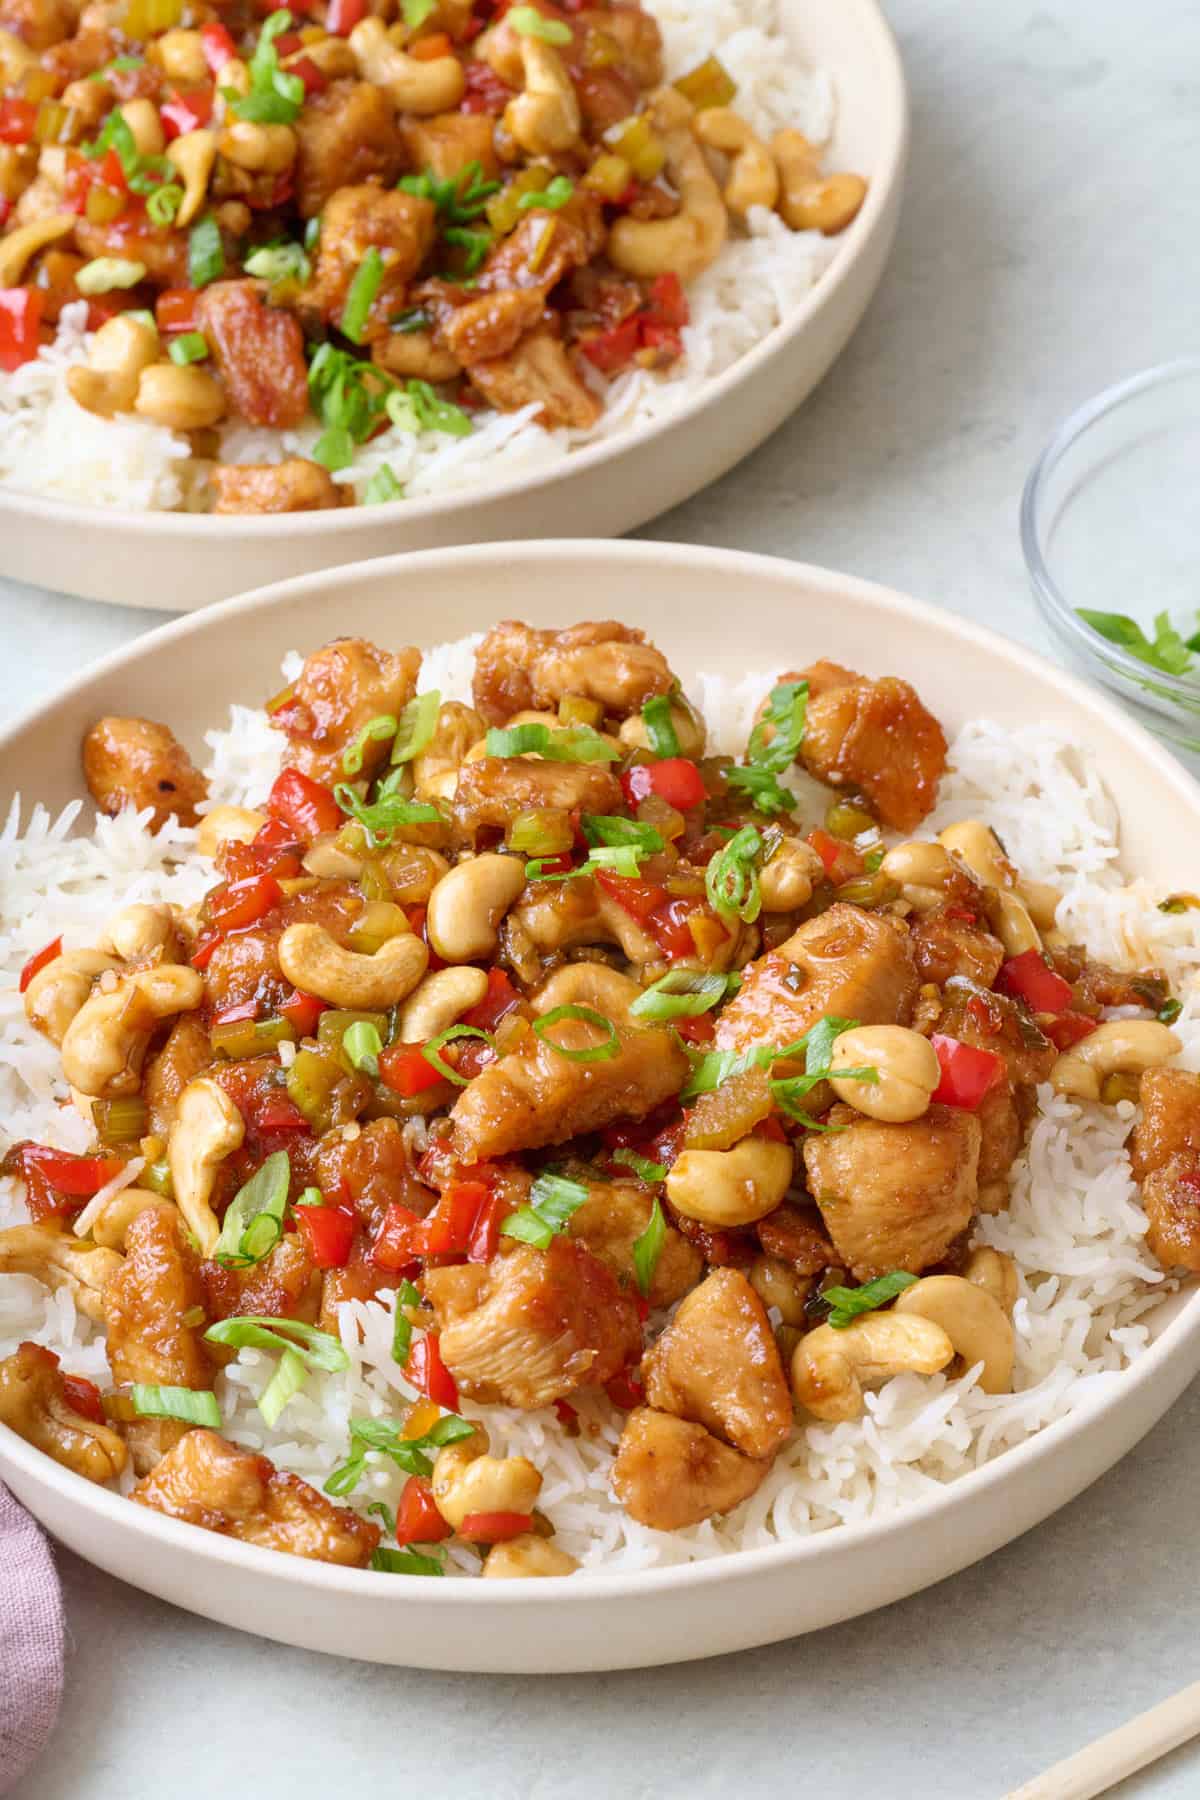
x,y
534,1325
186,1053
400,226
284,1285
39,23
946,944
339,690
797,1238
294,485
36,1404
876,737
853,964
448,143
670,1472
611,1218
1171,1198
894,1196
140,763
258,350
518,667
1170,1122
493,789
717,1363
207,1481
538,372
347,134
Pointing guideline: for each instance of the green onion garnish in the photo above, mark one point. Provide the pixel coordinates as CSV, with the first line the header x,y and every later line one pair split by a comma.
x,y
586,1015
387,1438
252,1331
476,244
253,1223
279,262
105,273
385,1513
610,828
717,1066
384,816
386,1561
660,727
648,1248
1168,1013
787,709
731,879
571,743
383,725
416,407
195,1406
763,789
430,1050
684,994
551,197
1168,650
164,203
553,1202
415,12
312,1196
414,318
367,281
847,1304
406,1295
275,96
643,1168
457,198
189,347
206,255
284,1384
529,22
619,859
362,1044
417,724
382,487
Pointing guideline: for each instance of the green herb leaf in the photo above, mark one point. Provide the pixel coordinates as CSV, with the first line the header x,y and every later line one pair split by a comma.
x,y
194,1406
386,1437
253,1224
476,245
386,1561
586,1015
382,487
375,731
648,1248
350,398
716,1066
786,713
275,96
1167,650
570,743
847,1304
206,254
529,22
384,816
763,789
555,194
610,828
553,1202
684,994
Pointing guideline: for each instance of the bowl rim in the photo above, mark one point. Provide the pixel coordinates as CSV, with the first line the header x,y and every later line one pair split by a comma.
x,y
628,556
1057,609
894,112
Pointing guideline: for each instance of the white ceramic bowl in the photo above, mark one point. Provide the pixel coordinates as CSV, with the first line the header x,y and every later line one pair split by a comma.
x,y
692,602
178,561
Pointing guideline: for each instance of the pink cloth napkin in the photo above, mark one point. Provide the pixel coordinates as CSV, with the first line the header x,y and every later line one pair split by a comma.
x,y
31,1641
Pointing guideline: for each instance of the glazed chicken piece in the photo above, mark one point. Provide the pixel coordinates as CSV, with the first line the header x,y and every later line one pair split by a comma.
x,y
340,689
518,667
140,763
346,134
535,1096
538,372
638,36
36,1403
797,1238
207,1481
163,256
1170,1123
448,143
491,325
401,226
38,23
1171,1199
561,914
615,1214
414,355
993,1022
493,789
873,736
946,944
372,1171
245,965
147,1303
284,1285
853,964
186,1054
717,1364
532,1326
894,1196
670,1472
294,485
258,350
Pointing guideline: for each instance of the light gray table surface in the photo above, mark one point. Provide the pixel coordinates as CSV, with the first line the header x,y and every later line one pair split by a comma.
x,y
1048,245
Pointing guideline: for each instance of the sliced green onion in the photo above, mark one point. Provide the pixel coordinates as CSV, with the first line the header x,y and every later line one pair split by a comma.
x,y
1168,1013
384,1511
367,282
276,95
312,1196
434,414
586,1015
253,1224
383,725
786,711
312,233
414,318
571,743
252,1331
684,994
731,879
847,1304
406,1295
415,12
610,828
279,262
362,1044
334,449
164,203
763,789
551,197
418,722
206,254
189,347
382,487
387,1437
475,243
553,1202
619,859
195,1406
648,1248
284,1385
716,1066
529,22
386,1561
660,727
643,1168
105,273
385,816
430,1050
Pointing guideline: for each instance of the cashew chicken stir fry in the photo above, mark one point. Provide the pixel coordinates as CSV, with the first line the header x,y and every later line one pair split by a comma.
x,y
367,214
622,1074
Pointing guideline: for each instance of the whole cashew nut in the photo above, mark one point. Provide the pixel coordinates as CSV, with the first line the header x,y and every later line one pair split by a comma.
x,y
441,998
57,992
105,1043
753,179
59,1260
468,903
1041,902
16,59
182,399
33,1403
996,1273
120,350
1121,1047
232,824
23,244
545,118
810,201
140,930
605,990
788,879
467,1480
108,1223
688,727
831,1367
524,1556
260,149
208,1127
921,870
972,1319
1009,918
317,964
728,1188
686,244
141,116
194,155
977,845
435,770
909,1071
411,85
777,1284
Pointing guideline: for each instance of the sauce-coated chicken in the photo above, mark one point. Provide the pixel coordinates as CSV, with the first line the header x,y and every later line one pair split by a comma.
x,y
876,737
518,667
669,1473
717,1363
341,688
140,763
148,1304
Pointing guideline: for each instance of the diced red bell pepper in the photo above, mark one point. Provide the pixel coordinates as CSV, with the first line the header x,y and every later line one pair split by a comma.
x,y
398,1242
700,1029
175,310
625,1390
302,1012
44,956
485,92
403,1069
841,861
771,1128
20,317
566,1413
668,925
497,1003
668,303
429,1374
328,1232
344,15
612,350
418,924
274,851
219,47
447,1231
83,1397
638,898
242,903
1030,978
185,110
1068,1028
485,1233
276,1113
303,804
56,1181
17,120
968,1074
234,1015
493,1527
314,81
675,779
418,1520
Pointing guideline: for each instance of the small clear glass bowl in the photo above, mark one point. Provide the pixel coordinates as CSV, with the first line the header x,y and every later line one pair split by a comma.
x,y
1110,521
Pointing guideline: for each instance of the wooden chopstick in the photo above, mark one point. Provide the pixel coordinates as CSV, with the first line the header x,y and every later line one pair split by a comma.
x,y
1123,1752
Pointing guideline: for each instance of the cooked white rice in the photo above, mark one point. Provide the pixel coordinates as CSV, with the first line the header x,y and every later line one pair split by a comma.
x,y
1074,1228
49,445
